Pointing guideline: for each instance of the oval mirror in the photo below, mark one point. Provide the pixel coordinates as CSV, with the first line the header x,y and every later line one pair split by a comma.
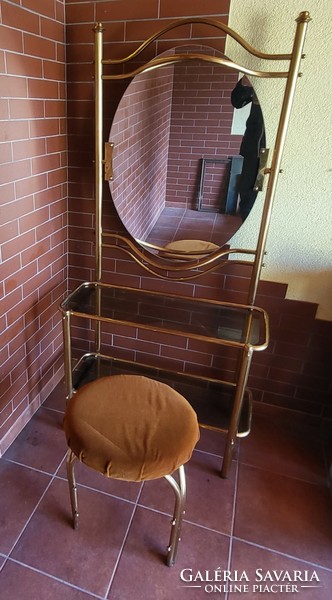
x,y
183,170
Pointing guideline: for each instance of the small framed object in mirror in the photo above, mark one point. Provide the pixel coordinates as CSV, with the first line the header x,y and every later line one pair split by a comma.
x,y
218,190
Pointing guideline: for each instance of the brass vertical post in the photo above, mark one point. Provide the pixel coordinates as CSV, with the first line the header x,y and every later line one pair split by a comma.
x,y
98,29
67,353
293,73
245,362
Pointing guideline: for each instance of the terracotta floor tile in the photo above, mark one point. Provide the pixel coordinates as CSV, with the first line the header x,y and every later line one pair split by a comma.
x,y
142,573
284,448
41,444
183,226
209,498
284,514
57,398
211,441
86,557
248,558
214,442
18,582
21,490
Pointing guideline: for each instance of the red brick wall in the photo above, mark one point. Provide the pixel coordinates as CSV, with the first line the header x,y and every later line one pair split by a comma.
x,y
33,205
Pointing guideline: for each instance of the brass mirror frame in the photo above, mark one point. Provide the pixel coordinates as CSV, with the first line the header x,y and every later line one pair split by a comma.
x,y
190,269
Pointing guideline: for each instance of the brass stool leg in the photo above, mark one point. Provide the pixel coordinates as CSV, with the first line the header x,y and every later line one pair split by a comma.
x,y
180,499
72,486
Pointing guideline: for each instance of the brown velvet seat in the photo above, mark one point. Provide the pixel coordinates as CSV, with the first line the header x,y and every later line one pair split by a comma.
x,y
132,428
188,249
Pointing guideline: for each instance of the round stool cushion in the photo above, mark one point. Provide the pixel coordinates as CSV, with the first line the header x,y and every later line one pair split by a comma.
x,y
189,248
130,427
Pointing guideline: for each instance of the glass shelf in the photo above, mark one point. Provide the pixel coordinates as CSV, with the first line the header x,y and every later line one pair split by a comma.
x,y
236,325
212,400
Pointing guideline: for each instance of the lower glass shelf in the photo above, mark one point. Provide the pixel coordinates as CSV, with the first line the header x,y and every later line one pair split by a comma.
x,y
212,400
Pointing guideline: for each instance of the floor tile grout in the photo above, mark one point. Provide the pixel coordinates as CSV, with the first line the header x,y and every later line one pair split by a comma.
x,y
30,517
50,576
284,554
30,467
121,549
282,474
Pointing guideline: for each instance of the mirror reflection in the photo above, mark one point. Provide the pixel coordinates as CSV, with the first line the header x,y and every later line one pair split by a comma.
x,y
186,148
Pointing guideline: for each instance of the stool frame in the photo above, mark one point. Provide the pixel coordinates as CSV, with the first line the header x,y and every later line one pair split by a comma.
x,y
179,488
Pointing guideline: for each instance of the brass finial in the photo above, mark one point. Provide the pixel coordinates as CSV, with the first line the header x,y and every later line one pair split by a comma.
x,y
98,27
304,17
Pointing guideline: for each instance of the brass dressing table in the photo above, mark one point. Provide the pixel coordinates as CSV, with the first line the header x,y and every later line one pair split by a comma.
x,y
243,327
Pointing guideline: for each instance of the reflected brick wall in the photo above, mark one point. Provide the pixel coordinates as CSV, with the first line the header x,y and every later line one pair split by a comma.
x,y
201,123
140,134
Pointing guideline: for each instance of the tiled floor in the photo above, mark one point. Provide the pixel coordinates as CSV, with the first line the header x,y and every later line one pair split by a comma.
x,y
186,224
273,515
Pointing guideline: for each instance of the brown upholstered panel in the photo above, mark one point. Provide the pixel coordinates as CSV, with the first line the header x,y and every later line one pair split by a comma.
x,y
189,247
131,427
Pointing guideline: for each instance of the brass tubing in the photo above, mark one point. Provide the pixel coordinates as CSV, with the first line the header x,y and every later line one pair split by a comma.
x,y
141,291
157,63
98,323
236,410
156,271
171,265
205,21
71,458
179,510
179,332
122,361
67,354
301,29
98,161
98,29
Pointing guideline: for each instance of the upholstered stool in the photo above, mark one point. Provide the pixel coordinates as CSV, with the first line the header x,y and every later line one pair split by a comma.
x,y
132,428
188,249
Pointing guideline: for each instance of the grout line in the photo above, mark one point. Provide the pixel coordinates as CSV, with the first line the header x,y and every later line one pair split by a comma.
x,y
58,579
52,478
178,228
156,510
5,558
285,554
209,453
56,410
283,474
230,551
122,546
205,527
19,464
237,466
98,491
59,466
